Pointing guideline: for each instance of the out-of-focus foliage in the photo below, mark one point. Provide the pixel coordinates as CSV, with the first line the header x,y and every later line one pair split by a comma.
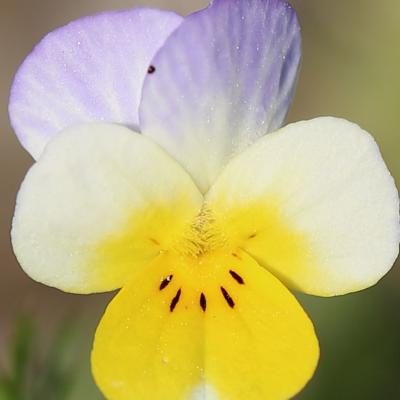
x,y
31,376
360,346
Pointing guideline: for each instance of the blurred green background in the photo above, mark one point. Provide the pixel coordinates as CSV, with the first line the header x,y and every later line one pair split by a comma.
x,y
350,69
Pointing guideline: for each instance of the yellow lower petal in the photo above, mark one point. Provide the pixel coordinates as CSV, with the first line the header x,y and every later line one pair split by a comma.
x,y
217,326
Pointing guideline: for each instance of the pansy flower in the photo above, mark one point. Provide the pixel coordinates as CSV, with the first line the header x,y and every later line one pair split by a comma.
x,y
154,173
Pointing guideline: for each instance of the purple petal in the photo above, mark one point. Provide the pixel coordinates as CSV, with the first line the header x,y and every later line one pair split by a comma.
x,y
224,78
90,70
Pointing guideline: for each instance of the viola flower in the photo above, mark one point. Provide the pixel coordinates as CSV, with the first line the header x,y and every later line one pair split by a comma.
x,y
154,173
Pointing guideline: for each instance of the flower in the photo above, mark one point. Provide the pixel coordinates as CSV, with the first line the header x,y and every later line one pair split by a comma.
x,y
204,221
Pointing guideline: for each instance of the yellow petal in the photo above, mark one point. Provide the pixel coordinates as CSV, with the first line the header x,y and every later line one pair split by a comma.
x,y
315,204
99,204
218,327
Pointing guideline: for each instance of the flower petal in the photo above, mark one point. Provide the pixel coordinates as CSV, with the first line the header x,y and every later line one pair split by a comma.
x,y
315,204
90,70
250,340
99,204
224,78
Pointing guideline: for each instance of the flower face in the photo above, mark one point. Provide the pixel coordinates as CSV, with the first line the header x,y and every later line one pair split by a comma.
x,y
155,174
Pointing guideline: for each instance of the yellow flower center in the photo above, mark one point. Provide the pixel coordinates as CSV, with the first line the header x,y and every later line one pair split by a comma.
x,y
202,236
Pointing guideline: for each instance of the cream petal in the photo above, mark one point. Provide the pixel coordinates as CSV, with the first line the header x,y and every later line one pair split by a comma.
x,y
315,204
100,203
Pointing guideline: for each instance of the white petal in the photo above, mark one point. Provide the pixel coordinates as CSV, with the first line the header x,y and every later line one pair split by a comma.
x,y
99,204
314,203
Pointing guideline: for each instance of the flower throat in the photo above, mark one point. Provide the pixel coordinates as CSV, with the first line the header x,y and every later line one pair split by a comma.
x,y
202,236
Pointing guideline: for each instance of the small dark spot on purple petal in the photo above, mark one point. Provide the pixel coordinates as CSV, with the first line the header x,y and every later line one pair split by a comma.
x,y
151,69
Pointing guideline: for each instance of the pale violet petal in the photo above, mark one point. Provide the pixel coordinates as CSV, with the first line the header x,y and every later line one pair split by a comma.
x,y
89,70
224,78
